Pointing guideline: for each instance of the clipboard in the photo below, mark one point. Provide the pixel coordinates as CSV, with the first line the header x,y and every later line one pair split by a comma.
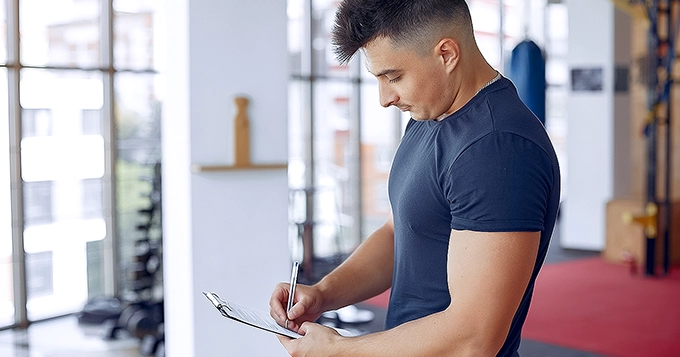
x,y
248,316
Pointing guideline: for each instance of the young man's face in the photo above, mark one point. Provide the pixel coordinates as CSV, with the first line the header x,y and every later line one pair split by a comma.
x,y
408,80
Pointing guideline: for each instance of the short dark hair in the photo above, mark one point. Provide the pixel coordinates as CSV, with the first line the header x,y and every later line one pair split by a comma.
x,y
405,22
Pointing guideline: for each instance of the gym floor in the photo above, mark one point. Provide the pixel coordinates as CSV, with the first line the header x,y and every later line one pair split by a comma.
x,y
64,337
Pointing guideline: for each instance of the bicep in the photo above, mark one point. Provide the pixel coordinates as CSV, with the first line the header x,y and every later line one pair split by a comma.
x,y
488,273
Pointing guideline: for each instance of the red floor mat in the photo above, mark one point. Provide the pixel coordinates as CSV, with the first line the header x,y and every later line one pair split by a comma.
x,y
596,306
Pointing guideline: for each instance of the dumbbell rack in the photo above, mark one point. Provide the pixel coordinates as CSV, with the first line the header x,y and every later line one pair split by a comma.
x,y
142,316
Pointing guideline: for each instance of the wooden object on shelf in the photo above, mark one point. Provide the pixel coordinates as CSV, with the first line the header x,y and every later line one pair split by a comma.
x,y
626,242
241,145
241,133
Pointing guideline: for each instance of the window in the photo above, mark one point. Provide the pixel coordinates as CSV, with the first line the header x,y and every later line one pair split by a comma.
x,y
38,202
337,129
36,122
92,199
83,112
41,279
92,122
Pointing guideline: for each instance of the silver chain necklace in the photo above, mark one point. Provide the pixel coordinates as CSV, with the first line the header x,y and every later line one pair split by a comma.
x,y
498,76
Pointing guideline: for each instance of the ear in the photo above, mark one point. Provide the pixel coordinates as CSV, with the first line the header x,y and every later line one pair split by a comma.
x,y
448,50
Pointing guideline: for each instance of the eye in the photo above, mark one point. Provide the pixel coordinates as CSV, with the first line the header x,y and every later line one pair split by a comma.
x,y
393,80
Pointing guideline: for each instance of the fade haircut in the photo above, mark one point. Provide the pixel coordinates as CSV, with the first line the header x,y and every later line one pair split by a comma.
x,y
412,23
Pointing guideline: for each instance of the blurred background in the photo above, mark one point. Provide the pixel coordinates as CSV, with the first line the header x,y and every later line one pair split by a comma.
x,y
120,202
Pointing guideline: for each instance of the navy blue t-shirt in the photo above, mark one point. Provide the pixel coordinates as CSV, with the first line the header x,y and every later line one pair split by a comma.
x,y
488,167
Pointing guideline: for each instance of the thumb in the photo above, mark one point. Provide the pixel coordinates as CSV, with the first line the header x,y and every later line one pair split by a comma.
x,y
296,311
305,327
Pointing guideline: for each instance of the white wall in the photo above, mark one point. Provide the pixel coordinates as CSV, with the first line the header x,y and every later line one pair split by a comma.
x,y
590,127
225,232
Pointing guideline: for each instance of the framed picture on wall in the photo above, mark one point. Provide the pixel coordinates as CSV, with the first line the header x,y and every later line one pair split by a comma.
x,y
586,79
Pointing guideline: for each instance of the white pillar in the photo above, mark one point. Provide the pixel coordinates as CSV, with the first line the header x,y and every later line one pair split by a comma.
x,y
589,183
224,231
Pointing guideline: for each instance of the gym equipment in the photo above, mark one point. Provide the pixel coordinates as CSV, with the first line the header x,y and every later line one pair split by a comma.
x,y
527,71
661,54
140,312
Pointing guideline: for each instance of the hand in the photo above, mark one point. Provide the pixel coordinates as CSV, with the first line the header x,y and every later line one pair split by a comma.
x,y
307,305
317,340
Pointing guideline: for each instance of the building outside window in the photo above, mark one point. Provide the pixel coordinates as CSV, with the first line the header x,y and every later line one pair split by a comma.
x,y
79,89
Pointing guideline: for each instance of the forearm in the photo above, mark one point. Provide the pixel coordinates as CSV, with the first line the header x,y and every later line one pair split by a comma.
x,y
366,273
439,334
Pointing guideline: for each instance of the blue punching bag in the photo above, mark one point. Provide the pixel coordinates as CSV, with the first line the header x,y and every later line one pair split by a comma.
x,y
527,72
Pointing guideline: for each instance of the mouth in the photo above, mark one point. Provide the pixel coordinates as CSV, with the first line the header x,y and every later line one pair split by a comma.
x,y
403,109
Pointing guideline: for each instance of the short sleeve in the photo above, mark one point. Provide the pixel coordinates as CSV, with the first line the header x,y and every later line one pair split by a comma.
x,y
500,183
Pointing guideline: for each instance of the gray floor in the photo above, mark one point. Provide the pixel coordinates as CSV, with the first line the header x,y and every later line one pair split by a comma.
x,y
64,337
530,348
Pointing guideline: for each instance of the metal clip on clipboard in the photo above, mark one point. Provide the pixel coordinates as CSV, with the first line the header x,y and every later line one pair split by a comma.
x,y
218,302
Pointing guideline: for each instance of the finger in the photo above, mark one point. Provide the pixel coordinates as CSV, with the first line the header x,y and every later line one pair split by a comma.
x,y
300,308
293,326
295,311
276,309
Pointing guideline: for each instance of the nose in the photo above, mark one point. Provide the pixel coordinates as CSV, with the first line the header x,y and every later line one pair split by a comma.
x,y
387,95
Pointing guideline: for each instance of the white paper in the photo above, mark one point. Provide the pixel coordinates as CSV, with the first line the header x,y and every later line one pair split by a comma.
x,y
246,315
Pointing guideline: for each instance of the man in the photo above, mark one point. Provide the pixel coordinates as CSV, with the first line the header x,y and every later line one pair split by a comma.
x,y
474,190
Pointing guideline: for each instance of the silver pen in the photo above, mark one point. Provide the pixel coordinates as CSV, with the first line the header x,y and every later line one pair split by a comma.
x,y
291,292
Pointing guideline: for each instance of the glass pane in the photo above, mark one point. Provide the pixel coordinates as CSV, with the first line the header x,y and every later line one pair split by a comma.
x,y
6,287
136,41
60,32
332,189
296,34
557,77
297,142
380,135
515,23
297,138
138,153
322,17
62,157
486,20
324,62
3,31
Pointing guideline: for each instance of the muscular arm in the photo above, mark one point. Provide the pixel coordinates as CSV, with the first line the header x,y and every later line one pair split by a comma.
x,y
487,275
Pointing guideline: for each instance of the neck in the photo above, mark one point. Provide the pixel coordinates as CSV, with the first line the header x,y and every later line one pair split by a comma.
x,y
472,76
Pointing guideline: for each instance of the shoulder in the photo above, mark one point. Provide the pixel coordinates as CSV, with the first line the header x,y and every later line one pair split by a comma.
x,y
501,182
503,152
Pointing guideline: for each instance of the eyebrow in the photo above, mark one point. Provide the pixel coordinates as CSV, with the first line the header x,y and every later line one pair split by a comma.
x,y
383,73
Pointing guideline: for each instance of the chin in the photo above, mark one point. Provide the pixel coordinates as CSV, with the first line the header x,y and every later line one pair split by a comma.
x,y
420,117
415,116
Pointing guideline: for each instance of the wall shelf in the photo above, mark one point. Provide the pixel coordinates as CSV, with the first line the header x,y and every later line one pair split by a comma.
x,y
197,168
241,146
